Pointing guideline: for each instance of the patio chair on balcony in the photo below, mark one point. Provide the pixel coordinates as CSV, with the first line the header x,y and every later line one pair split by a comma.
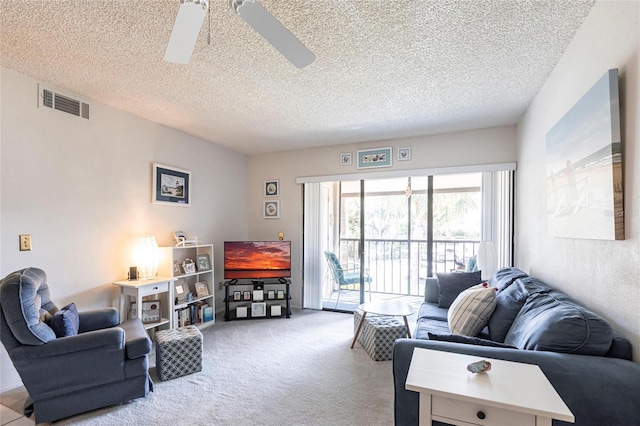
x,y
346,279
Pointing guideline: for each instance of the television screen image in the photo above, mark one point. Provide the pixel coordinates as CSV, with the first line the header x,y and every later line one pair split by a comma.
x,y
257,259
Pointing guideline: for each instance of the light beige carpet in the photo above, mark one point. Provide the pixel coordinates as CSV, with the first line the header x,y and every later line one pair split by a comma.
x,y
297,371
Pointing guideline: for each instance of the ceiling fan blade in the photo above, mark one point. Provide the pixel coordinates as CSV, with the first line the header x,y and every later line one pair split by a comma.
x,y
274,32
185,31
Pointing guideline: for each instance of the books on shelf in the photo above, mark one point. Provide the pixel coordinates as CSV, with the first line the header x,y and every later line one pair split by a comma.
x,y
207,314
195,313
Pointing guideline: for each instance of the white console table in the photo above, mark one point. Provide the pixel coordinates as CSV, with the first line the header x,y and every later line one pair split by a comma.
x,y
511,393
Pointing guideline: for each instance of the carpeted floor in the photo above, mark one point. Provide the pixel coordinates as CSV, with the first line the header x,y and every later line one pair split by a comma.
x,y
297,371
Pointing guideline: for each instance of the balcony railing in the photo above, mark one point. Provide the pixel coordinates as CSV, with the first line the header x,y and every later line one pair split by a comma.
x,y
401,266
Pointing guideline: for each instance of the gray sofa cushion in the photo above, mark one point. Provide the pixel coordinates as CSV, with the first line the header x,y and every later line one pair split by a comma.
x,y
509,301
451,284
424,326
547,323
504,277
432,311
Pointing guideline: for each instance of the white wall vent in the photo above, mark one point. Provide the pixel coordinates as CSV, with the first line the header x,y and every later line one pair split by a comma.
x,y
49,98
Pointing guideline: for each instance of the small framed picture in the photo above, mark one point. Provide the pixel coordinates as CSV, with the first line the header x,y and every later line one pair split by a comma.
x,y
203,262
259,309
180,293
246,295
189,266
404,154
372,158
201,289
271,294
237,296
150,311
271,188
345,159
276,310
258,295
241,312
171,186
176,268
280,294
271,209
179,236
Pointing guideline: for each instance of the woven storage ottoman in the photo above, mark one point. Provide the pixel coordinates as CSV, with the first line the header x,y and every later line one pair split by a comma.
x,y
378,334
178,352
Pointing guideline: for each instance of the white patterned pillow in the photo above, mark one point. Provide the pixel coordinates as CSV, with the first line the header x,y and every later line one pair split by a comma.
x,y
471,310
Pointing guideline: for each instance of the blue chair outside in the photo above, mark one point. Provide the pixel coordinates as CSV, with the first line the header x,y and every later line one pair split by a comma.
x,y
345,279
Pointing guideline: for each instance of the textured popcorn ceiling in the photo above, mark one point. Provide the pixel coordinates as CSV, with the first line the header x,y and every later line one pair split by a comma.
x,y
384,68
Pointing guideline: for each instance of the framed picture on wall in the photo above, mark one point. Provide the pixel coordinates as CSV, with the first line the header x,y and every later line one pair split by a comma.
x,y
171,186
371,158
271,188
404,154
271,209
345,159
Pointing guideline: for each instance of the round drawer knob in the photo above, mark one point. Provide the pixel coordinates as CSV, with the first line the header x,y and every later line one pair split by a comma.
x,y
481,415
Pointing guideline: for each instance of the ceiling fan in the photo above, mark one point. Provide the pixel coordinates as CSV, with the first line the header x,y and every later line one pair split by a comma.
x,y
186,29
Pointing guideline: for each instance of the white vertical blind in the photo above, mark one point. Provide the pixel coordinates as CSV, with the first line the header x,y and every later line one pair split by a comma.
x,y
312,277
497,214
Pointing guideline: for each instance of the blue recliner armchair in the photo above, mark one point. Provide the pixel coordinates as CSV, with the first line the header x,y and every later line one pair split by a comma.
x,y
70,362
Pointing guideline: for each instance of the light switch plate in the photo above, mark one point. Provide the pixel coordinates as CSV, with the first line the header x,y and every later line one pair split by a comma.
x,y
25,242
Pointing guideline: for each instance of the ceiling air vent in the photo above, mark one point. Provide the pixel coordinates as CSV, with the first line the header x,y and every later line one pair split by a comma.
x,y
64,103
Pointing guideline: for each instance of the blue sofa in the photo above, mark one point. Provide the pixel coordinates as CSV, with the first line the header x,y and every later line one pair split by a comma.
x,y
587,362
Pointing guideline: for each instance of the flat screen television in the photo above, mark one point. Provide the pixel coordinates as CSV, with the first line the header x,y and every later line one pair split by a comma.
x,y
255,260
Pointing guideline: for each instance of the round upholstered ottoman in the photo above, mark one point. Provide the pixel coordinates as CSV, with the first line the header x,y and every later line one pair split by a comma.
x,y
178,352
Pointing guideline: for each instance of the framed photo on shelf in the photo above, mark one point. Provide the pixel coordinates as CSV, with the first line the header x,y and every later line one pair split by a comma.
x,y
180,293
246,295
176,268
372,158
259,309
271,188
271,294
276,310
171,186
258,295
189,266
237,296
203,262
280,294
201,289
271,209
150,311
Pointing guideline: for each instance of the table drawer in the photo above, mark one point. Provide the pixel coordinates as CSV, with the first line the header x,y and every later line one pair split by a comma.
x,y
448,408
154,288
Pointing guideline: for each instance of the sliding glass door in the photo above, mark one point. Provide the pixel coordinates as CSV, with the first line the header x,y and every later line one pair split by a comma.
x,y
381,238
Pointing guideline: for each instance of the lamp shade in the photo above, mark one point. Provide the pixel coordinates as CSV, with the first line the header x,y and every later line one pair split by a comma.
x,y
487,259
147,257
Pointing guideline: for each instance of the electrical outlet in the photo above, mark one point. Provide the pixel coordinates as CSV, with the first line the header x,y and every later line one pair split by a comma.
x,y
220,284
25,242
281,236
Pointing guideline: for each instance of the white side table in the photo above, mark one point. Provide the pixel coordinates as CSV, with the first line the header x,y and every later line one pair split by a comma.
x,y
161,286
511,393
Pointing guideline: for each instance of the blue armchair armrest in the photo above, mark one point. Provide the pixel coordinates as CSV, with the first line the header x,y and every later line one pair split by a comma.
x,y
98,319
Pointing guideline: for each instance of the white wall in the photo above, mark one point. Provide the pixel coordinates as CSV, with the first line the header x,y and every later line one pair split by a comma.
x,y
82,189
494,145
604,275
